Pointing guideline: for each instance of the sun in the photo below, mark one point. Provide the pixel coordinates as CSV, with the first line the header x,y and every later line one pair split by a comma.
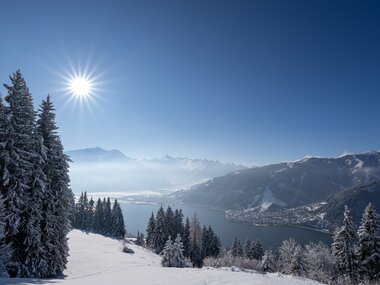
x,y
80,86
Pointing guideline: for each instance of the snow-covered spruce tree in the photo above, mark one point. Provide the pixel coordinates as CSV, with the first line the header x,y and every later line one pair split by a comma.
x,y
319,262
268,262
247,249
369,244
236,248
178,223
257,250
108,227
343,248
167,253
290,258
195,242
215,244
186,238
22,181
80,212
90,212
117,221
210,243
150,232
206,243
159,231
140,239
5,250
178,257
98,224
169,222
58,197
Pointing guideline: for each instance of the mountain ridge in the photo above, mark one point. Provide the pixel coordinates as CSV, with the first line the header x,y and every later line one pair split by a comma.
x,y
286,184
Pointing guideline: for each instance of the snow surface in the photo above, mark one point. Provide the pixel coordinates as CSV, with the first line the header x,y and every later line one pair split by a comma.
x,y
97,260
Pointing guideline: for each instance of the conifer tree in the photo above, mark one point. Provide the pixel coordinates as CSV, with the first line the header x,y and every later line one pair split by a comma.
x,y
257,250
160,231
117,221
140,239
169,222
178,223
167,254
343,247
22,181
186,238
150,239
236,248
58,197
178,257
5,250
268,262
98,217
195,242
369,244
108,217
215,245
247,249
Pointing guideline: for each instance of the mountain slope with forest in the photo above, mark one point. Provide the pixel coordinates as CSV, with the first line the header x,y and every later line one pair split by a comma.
x,y
286,184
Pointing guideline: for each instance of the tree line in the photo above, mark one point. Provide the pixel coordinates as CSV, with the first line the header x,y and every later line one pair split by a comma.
x,y
354,255
101,218
35,197
191,242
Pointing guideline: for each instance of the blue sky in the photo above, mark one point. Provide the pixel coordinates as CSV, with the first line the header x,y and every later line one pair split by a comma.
x,y
245,81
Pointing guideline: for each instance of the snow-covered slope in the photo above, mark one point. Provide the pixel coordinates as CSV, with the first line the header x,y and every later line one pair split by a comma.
x,y
98,260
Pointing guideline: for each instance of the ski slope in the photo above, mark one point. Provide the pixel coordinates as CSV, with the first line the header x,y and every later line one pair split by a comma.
x,y
97,260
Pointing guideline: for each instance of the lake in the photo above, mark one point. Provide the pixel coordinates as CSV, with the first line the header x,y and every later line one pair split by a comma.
x,y
137,215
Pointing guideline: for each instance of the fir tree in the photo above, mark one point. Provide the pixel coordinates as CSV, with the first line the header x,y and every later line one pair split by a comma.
x,y
22,181
343,247
369,244
5,250
186,238
117,221
236,249
160,231
257,250
195,242
169,222
178,223
107,217
98,224
215,245
167,254
268,262
178,257
247,249
150,230
58,197
140,239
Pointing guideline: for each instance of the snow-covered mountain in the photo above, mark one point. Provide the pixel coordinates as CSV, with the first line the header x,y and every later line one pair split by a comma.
x,y
95,259
99,170
286,184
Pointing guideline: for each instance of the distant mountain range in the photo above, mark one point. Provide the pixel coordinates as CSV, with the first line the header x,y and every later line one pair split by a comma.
x,y
97,169
287,184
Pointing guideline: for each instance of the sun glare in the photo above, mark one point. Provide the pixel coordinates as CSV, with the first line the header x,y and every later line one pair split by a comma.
x,y
80,86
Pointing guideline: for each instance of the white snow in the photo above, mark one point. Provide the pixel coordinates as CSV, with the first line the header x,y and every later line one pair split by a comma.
x,y
97,260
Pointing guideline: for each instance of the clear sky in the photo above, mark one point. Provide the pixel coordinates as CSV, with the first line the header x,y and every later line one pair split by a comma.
x,y
244,81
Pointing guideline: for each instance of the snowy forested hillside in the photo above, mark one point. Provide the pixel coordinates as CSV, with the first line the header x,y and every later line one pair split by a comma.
x,y
95,259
